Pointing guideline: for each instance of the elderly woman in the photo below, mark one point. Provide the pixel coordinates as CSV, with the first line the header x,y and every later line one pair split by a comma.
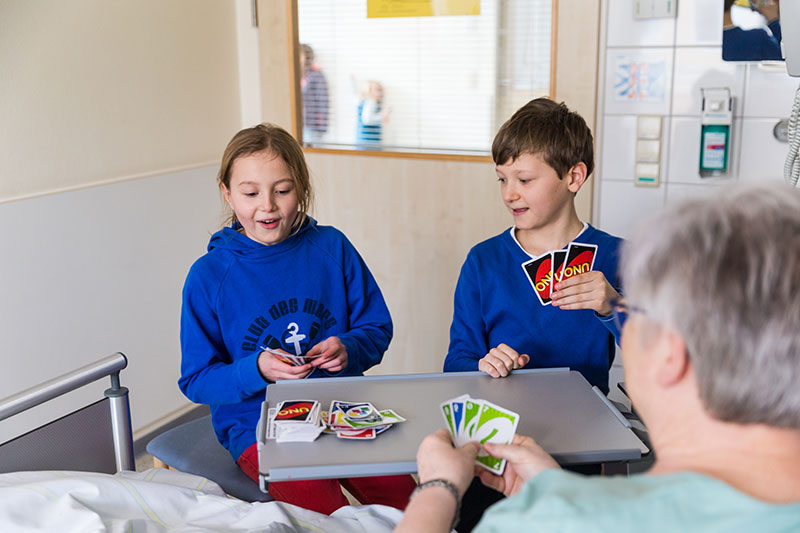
x,y
711,348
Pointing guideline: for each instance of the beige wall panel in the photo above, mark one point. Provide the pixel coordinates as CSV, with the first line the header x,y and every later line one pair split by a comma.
x,y
576,71
96,91
413,221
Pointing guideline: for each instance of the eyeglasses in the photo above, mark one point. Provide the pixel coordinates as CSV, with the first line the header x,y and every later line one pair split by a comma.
x,y
620,309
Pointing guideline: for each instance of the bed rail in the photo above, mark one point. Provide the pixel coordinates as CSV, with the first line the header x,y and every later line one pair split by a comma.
x,y
117,396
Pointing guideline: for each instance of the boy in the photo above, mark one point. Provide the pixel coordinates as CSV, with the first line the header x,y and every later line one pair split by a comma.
x,y
543,156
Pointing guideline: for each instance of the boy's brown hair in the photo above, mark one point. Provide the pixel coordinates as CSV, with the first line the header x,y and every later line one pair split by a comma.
x,y
544,127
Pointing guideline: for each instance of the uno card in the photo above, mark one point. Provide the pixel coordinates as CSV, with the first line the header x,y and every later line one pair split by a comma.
x,y
325,417
447,412
556,263
537,271
295,411
498,425
472,411
457,407
271,432
368,434
580,259
388,416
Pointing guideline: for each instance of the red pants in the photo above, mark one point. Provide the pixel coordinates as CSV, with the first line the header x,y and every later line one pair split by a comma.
x,y
325,495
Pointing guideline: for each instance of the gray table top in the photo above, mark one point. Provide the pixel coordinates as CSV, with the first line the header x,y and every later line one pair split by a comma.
x,y
557,407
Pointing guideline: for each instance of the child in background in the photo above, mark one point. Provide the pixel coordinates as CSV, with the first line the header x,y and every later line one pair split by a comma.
x,y
371,116
314,90
277,279
543,156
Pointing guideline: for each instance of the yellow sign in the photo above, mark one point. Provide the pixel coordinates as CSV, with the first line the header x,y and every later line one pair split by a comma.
x,y
421,8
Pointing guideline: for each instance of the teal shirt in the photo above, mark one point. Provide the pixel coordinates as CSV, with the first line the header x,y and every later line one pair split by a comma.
x,y
566,502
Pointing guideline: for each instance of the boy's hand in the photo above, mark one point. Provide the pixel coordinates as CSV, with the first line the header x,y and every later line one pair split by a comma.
x,y
273,369
331,355
526,459
590,290
502,360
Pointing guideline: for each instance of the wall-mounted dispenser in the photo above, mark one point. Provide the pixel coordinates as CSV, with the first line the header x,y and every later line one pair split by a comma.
x,y
715,132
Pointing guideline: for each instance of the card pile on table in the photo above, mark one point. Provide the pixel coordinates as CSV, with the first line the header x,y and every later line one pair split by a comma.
x,y
469,419
359,420
557,265
294,421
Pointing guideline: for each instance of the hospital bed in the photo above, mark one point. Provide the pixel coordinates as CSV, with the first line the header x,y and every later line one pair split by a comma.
x,y
76,473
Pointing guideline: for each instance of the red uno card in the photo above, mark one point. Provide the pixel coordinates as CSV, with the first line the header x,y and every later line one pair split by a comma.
x,y
297,411
580,259
556,263
368,433
538,272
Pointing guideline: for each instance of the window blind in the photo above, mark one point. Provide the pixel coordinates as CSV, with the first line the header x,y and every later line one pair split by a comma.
x,y
440,84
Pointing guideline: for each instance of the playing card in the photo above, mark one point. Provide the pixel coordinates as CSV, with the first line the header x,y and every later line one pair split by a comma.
x,y
495,424
457,408
369,433
556,262
472,411
447,412
299,411
271,433
388,416
537,270
580,259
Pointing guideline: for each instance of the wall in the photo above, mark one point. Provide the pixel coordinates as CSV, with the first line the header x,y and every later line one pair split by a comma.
x,y
691,45
114,116
414,220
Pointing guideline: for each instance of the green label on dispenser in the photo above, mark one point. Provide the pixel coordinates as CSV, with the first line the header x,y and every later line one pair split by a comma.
x,y
714,148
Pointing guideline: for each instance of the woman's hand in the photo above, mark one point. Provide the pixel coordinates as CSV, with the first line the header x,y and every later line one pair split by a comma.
x,y
437,459
525,459
330,355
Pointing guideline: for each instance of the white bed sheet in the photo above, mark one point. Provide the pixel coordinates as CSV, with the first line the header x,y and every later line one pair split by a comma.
x,y
160,500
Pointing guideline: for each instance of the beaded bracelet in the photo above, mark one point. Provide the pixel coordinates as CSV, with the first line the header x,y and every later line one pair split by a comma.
x,y
449,486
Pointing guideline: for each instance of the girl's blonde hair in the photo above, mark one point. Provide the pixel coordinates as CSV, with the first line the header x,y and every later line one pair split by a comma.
x,y
273,139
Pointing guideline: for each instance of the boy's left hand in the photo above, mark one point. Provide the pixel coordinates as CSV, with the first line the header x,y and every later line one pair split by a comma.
x,y
332,355
590,290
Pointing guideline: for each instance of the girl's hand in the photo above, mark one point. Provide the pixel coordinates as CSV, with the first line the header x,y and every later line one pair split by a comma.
x,y
502,360
589,290
273,369
525,459
330,355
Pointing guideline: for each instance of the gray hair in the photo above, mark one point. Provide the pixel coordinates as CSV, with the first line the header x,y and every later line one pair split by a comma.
x,y
724,272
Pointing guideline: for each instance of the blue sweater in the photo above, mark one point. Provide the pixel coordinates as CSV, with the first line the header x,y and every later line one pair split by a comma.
x,y
752,45
243,294
495,303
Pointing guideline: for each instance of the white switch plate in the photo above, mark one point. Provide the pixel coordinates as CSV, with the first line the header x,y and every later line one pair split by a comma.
x,y
652,9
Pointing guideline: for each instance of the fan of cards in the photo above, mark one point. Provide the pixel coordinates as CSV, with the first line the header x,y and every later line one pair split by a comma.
x,y
556,265
289,359
470,419
302,420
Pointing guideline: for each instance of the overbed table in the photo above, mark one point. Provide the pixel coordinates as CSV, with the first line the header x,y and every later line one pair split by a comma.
x,y
574,422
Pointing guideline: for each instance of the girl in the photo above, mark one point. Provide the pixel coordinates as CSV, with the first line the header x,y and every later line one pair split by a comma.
x,y
275,279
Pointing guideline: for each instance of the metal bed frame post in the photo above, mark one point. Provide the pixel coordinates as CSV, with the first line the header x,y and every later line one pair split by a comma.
x,y
117,399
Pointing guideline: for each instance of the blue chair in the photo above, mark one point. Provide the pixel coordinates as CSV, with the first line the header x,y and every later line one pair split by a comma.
x,y
193,448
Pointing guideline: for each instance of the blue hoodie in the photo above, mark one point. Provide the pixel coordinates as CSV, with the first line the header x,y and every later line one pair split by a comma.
x,y
494,303
242,295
